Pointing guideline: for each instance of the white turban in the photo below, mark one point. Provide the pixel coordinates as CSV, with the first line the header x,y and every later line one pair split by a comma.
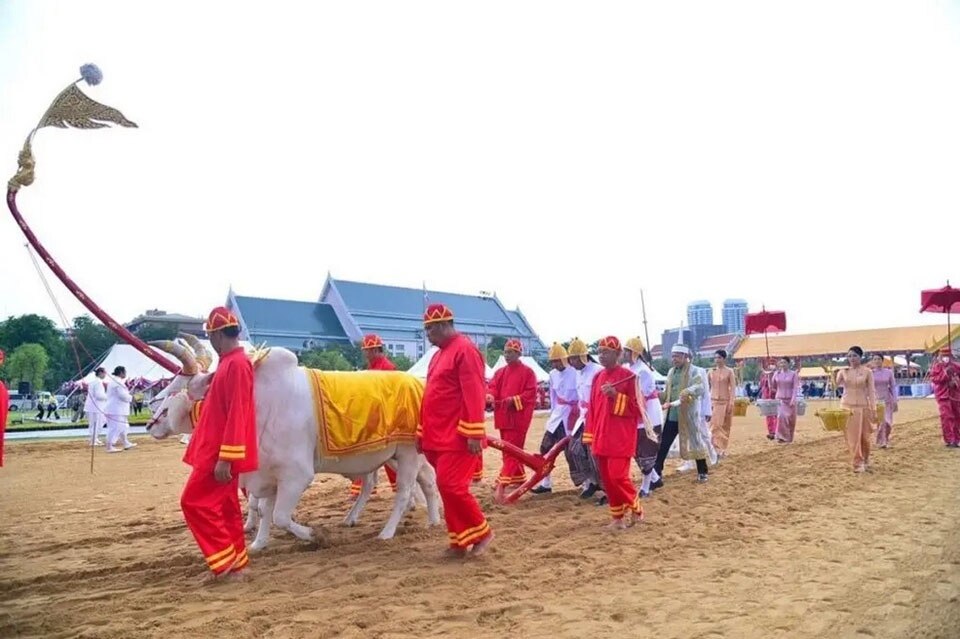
x,y
680,348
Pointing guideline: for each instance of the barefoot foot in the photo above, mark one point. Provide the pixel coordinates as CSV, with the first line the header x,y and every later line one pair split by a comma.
x,y
454,553
482,546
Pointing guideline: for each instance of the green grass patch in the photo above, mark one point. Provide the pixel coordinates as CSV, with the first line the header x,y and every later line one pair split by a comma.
x,y
27,421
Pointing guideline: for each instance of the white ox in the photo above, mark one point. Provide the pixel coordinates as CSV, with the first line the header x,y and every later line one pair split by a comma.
x,y
287,445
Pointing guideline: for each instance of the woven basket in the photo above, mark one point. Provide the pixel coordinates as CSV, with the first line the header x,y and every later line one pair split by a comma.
x,y
801,407
834,419
740,406
881,412
768,407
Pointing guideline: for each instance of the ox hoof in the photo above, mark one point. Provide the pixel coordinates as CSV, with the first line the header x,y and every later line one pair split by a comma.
x,y
349,523
384,536
257,546
321,538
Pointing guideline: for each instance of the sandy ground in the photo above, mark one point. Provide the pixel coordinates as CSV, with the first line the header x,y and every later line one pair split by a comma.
x,y
784,541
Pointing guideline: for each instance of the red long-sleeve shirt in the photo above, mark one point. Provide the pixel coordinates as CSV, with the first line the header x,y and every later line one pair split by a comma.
x,y
227,428
453,399
381,364
612,422
514,390
940,376
4,406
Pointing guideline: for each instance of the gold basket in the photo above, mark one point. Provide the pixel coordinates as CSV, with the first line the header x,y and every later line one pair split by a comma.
x,y
740,406
881,412
834,419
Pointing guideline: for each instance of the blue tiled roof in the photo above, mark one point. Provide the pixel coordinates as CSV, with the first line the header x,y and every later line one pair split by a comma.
x,y
292,343
274,320
521,325
375,306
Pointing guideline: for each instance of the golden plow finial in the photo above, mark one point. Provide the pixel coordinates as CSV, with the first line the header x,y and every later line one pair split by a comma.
x,y
71,108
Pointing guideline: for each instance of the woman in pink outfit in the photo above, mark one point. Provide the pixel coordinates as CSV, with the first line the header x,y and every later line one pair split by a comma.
x,y
859,397
786,382
767,391
885,385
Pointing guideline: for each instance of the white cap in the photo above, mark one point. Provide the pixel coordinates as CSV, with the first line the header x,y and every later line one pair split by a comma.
x,y
680,348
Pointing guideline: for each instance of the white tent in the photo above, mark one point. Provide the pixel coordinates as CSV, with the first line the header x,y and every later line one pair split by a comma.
x,y
543,376
139,365
419,369
136,363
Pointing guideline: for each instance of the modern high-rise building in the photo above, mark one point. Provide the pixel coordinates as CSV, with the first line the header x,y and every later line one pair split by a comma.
x,y
734,312
699,313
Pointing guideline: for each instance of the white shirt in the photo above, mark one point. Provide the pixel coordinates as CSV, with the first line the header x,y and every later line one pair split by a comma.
x,y
96,397
585,382
646,386
706,406
118,399
584,389
563,386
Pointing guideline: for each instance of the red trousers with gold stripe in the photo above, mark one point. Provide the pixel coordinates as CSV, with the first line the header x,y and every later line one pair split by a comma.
x,y
513,473
621,493
212,512
466,524
357,484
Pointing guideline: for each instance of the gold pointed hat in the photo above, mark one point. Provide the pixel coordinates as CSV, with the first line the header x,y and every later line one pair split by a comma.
x,y
578,348
557,352
634,344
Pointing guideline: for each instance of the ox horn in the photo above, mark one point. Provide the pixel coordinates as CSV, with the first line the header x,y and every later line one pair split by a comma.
x,y
187,361
204,358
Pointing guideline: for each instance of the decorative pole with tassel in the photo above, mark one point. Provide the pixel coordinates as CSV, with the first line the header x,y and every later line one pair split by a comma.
x,y
73,108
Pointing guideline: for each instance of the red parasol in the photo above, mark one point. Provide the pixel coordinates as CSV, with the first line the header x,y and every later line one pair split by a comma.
x,y
941,300
764,321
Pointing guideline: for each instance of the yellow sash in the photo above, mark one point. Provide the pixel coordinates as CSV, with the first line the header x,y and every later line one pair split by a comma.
x,y
364,411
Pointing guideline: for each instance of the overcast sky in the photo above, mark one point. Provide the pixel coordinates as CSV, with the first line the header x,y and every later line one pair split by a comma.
x,y
800,155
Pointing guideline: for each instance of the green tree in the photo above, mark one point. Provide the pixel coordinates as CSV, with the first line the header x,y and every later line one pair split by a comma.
x,y
662,365
92,340
497,342
36,329
493,354
751,371
326,360
28,329
28,363
402,362
151,331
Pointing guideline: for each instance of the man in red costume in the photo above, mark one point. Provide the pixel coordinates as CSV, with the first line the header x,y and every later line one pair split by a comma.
x,y
4,406
452,434
223,445
372,349
945,376
612,432
513,393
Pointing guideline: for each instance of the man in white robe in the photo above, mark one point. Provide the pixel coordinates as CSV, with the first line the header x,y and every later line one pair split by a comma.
x,y
564,410
118,412
95,406
579,359
652,420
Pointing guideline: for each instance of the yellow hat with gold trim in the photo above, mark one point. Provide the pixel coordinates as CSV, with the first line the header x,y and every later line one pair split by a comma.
x,y
578,348
557,352
634,344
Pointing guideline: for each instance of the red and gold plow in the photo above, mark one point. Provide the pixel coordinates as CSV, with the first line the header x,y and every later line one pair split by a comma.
x,y
541,465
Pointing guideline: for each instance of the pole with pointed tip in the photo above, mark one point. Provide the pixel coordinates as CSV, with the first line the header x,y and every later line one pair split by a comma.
x,y
646,333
